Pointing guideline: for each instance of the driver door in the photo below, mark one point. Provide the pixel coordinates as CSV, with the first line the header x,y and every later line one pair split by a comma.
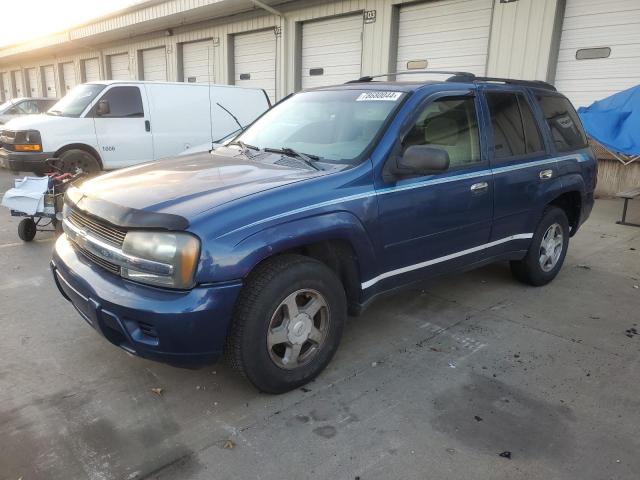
x,y
435,223
123,132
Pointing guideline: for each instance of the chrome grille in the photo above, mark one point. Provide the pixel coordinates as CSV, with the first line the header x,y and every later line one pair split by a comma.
x,y
101,262
101,230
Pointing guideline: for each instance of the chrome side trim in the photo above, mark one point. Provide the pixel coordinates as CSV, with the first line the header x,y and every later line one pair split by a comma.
x,y
417,266
113,254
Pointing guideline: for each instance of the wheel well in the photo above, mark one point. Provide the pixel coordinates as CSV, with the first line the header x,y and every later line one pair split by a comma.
x,y
81,146
340,257
571,203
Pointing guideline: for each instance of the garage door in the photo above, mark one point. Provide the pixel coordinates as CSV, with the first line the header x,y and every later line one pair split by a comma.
x,y
68,76
119,67
254,57
32,77
446,35
154,64
49,81
6,86
19,83
599,49
91,70
331,51
197,61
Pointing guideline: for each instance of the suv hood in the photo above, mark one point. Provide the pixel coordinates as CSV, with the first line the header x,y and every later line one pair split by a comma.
x,y
32,122
181,187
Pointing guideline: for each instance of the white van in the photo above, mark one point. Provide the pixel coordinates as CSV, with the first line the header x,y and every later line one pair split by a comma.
x,y
112,124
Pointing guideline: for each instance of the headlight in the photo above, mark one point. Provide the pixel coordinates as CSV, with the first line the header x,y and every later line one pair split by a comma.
x,y
24,140
169,258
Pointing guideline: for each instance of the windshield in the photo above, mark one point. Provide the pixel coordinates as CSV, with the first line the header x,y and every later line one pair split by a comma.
x,y
74,102
334,125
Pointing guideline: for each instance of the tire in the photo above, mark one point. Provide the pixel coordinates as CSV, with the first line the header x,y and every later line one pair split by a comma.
x,y
538,268
262,319
27,229
74,159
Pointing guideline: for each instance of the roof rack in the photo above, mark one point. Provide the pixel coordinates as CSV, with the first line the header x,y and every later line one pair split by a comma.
x,y
462,77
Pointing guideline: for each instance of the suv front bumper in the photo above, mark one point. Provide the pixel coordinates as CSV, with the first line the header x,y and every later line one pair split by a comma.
x,y
182,328
25,161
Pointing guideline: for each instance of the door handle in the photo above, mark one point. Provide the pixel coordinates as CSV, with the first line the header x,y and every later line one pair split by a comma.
x,y
546,174
479,187
147,125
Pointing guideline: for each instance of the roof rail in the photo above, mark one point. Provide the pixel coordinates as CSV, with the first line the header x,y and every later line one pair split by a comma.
x,y
369,78
508,81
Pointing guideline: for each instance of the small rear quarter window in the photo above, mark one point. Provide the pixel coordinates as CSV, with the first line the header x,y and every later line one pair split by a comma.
x,y
563,121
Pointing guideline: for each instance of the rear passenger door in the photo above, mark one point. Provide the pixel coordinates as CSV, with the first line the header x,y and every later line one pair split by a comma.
x,y
123,134
520,164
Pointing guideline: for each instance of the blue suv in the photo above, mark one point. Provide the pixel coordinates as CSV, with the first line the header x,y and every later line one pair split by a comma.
x,y
259,249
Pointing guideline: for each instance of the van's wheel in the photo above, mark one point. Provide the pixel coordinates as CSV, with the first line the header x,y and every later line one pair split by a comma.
x,y
74,159
27,229
287,323
547,251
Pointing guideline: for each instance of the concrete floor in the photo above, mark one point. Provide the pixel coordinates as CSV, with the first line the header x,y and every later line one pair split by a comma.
x,y
434,382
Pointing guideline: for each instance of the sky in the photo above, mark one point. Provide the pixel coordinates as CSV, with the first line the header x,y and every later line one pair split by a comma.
x,y
27,19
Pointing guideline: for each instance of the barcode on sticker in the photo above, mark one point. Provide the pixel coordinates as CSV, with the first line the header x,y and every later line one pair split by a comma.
x,y
378,97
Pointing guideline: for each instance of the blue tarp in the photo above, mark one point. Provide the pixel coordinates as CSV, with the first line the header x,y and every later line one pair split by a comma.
x,y
615,121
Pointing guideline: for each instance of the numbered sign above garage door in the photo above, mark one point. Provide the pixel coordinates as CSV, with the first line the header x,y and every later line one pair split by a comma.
x,y
444,35
254,61
599,49
32,77
68,76
154,64
49,78
6,86
331,51
119,67
197,62
91,69
18,81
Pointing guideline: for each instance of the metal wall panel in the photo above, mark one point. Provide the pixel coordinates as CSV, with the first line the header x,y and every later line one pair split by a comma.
x,y
18,82
32,78
49,81
331,51
587,24
255,60
448,35
119,67
197,61
91,69
68,76
6,86
154,64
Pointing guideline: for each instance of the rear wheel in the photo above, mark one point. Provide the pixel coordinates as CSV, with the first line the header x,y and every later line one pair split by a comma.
x,y
547,251
27,229
75,159
287,324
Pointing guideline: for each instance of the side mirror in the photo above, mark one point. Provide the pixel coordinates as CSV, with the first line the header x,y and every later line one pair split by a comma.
x,y
421,160
103,108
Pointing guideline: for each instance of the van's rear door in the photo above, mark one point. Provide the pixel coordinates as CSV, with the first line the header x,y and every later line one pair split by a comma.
x,y
122,127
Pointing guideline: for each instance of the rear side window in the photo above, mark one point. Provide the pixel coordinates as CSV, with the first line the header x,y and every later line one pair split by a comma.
x,y
515,132
124,102
563,121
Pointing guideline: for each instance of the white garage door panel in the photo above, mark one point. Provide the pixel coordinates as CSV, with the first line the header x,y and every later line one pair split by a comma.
x,y
197,61
450,35
69,75
18,78
33,82
154,63
49,82
91,70
6,86
255,55
591,24
335,45
119,66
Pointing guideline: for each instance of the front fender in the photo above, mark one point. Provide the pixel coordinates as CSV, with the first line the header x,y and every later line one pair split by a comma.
x,y
236,261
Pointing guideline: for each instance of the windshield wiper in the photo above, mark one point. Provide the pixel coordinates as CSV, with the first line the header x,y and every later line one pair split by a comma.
x,y
244,147
305,157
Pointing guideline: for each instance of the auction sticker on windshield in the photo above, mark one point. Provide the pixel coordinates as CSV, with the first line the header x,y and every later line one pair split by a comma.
x,y
379,97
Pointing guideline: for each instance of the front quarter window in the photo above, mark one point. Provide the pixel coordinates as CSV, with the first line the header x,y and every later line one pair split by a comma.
x,y
76,101
334,125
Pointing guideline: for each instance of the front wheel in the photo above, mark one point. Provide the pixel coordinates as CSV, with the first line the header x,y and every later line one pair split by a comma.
x,y
287,324
547,251
73,160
